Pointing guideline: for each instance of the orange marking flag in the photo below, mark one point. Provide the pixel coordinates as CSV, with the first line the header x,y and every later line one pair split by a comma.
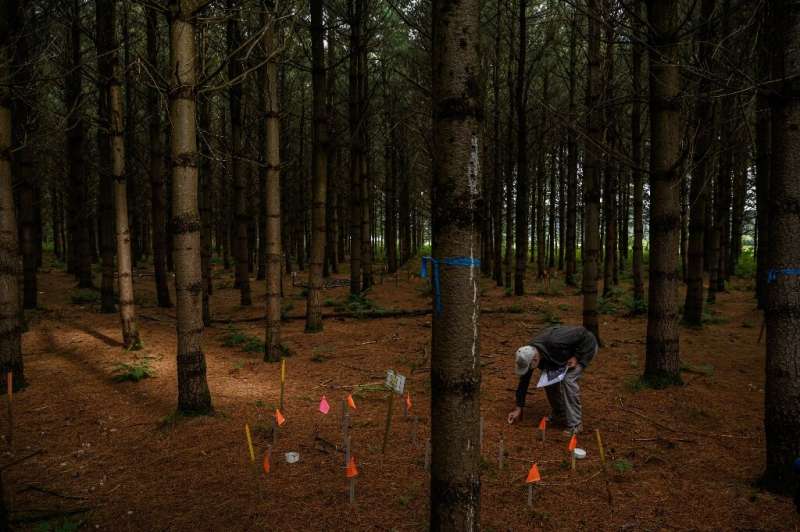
x,y
543,424
573,443
350,402
279,419
408,401
352,470
266,463
533,475
324,407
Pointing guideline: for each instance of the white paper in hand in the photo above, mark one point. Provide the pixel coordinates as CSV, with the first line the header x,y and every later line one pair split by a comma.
x,y
552,376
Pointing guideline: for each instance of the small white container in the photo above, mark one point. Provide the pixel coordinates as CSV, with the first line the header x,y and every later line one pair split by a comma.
x,y
292,457
580,454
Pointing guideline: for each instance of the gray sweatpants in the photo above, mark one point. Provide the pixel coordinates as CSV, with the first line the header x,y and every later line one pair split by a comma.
x,y
565,398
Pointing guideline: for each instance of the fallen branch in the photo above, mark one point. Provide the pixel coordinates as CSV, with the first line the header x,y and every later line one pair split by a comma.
x,y
19,460
46,491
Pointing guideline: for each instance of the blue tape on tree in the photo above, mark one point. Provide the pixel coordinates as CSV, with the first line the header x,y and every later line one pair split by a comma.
x,y
772,275
449,261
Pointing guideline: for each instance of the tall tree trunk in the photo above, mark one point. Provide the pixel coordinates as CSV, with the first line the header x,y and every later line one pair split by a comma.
x,y
206,180
562,205
509,171
591,177
158,212
24,158
135,220
366,182
10,311
541,179
73,100
320,171
272,351
698,193
636,155
497,173
193,394
551,227
112,90
332,208
355,147
739,192
662,364
105,70
782,389
455,352
572,160
523,187
762,157
235,73
610,188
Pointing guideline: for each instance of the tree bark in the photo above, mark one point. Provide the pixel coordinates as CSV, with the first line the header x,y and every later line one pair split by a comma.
x,y
193,394
698,193
10,267
782,389
158,212
272,351
592,168
235,71
763,158
572,160
610,188
662,364
355,147
523,186
81,253
320,170
636,155
455,352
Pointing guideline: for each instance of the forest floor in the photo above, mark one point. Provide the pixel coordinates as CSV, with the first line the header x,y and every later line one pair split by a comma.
x,y
113,456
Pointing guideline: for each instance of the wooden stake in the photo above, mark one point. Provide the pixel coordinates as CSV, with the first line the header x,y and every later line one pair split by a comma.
x,y
573,459
600,446
414,432
249,442
274,431
500,453
543,433
346,450
388,422
530,495
480,436
352,490
605,468
283,379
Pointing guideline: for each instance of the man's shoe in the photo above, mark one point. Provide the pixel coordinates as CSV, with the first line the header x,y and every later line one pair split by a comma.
x,y
573,431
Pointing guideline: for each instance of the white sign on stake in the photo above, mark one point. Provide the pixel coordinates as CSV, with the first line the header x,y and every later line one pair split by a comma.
x,y
395,381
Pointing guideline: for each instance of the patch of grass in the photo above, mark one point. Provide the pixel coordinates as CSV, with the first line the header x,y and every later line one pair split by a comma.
x,y
133,372
362,390
606,305
358,304
329,303
551,317
239,364
622,466
748,324
653,382
84,296
253,345
516,309
508,291
633,361
635,307
233,337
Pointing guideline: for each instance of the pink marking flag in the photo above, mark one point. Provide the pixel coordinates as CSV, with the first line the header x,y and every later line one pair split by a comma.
x,y
324,407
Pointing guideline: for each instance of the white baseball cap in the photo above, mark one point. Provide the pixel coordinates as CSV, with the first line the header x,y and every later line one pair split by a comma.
x,y
524,357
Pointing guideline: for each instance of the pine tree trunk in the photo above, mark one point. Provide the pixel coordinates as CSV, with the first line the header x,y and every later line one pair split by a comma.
x,y
523,187
193,394
158,212
366,183
355,148
10,267
509,172
112,90
762,158
662,364
107,223
739,193
572,160
455,352
272,351
591,177
320,171
610,188
497,174
206,179
636,155
698,193
782,388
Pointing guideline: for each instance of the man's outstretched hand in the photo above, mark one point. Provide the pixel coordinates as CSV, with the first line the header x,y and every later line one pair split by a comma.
x,y
514,416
